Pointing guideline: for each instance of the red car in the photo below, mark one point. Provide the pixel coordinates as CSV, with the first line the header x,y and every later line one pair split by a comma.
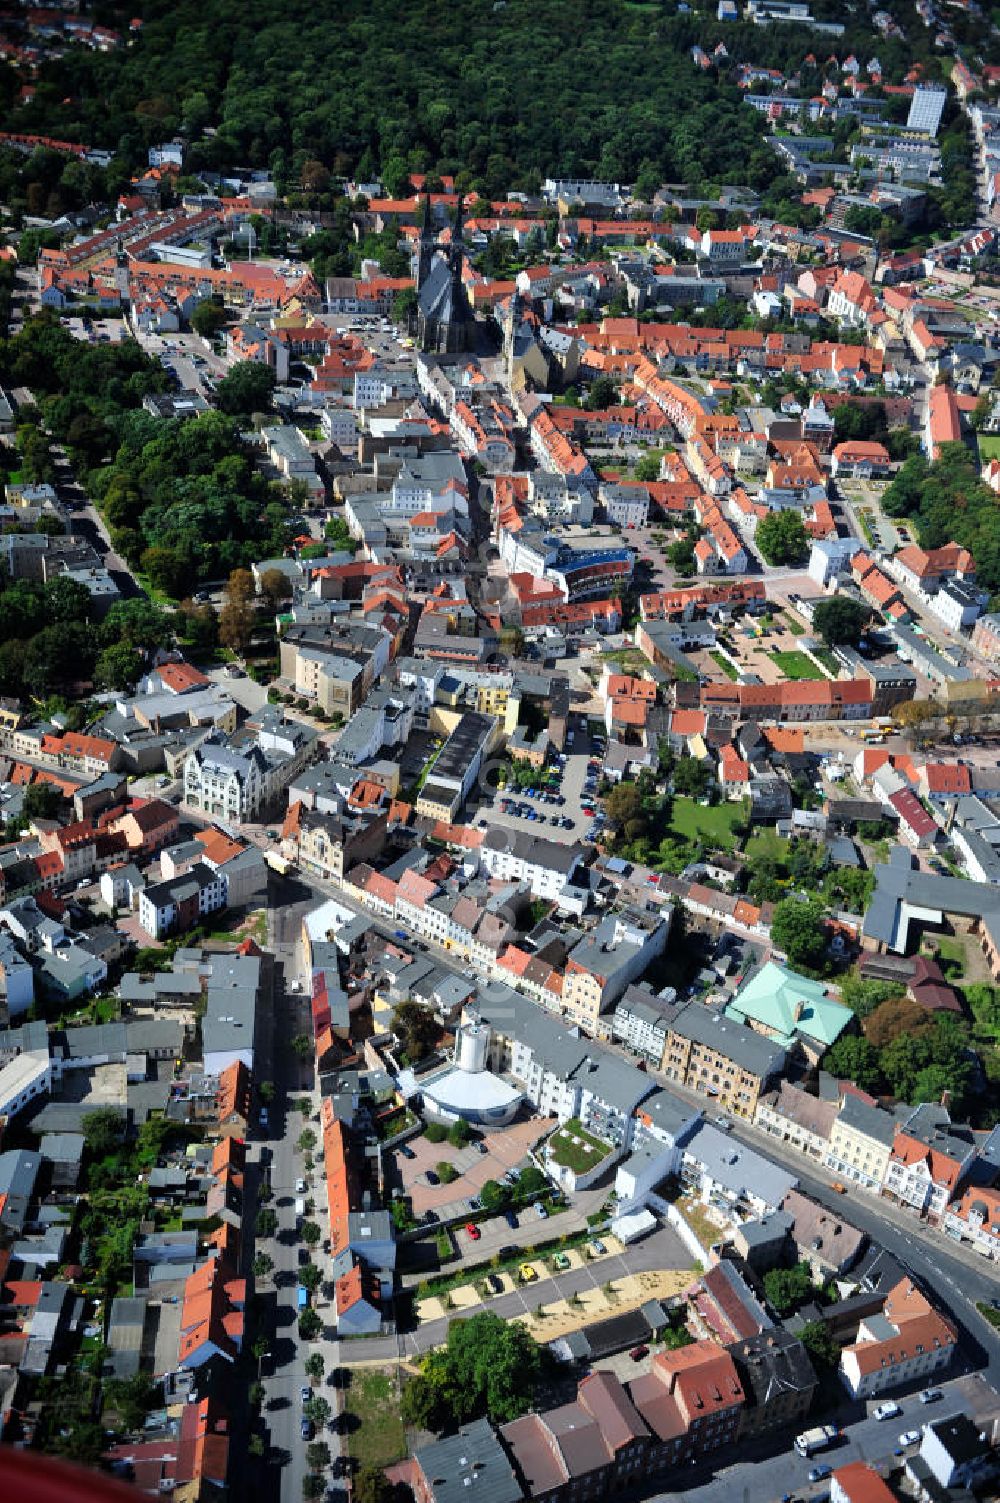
x,y
653,877
588,809
473,1231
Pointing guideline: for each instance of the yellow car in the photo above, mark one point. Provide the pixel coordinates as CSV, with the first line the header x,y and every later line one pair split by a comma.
x,y
528,1274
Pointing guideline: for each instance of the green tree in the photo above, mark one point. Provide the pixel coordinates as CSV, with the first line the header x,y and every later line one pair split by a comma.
x,y
310,1277
317,1410
788,1288
43,801
531,1183
841,620
800,930
267,1222
303,1047
208,318
306,1140
493,1196
315,1366
310,1325
371,1485
104,1130
647,468
311,1233
459,1134
818,1342
416,1028
117,667
852,1058
263,1265
623,803
248,388
275,586
781,538
318,1455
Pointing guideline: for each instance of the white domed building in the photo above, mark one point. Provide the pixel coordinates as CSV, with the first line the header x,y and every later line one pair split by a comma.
x,y
466,1090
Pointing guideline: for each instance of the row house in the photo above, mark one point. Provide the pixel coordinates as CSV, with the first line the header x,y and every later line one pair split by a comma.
x,y
721,1058
927,1163
793,1116
975,1218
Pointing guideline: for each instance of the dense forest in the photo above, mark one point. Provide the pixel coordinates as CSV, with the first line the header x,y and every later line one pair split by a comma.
x,y
499,94
503,93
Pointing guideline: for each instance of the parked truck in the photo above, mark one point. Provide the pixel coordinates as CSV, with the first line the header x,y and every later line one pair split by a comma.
x,y
816,1439
302,1299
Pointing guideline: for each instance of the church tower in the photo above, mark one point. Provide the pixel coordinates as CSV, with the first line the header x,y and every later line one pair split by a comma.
x,y
121,271
426,245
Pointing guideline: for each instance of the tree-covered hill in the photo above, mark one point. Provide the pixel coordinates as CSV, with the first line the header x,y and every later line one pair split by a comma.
x,y
506,92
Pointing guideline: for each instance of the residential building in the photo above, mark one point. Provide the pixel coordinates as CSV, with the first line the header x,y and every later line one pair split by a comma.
x,y
778,1379
906,1343
794,1116
861,1140
975,1218
927,1163
722,1058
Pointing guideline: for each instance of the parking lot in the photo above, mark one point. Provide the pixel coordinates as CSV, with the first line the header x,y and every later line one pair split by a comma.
x,y
505,1149
555,807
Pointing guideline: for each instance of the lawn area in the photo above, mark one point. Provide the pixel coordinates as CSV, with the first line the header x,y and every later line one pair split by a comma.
x,y
767,845
628,659
825,656
724,664
989,445
373,1401
576,1148
713,823
795,665
951,955
795,627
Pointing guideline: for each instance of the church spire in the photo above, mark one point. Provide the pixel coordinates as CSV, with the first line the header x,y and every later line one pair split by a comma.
x,y
427,243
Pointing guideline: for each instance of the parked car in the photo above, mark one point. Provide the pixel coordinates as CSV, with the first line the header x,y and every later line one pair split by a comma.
x,y
431,1177
494,1283
305,1392
472,1231
821,1472
889,1410
511,1220
540,1211
300,1186
407,1151
560,1260
930,1395
638,1352
527,1273
306,1429
596,1248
